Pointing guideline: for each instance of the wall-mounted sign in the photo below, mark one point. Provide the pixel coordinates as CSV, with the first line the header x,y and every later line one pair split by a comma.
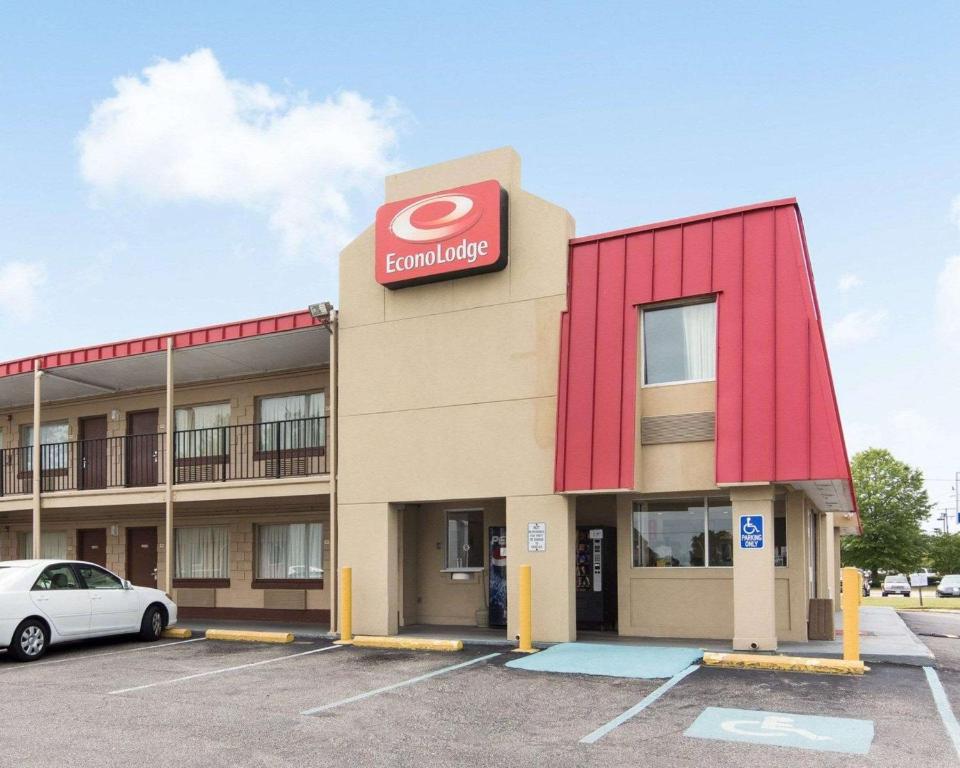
x,y
443,235
536,537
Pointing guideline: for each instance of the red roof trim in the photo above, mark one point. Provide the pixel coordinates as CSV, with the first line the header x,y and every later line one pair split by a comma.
x,y
686,220
211,334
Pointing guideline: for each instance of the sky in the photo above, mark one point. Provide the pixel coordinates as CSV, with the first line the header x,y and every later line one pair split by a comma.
x,y
169,165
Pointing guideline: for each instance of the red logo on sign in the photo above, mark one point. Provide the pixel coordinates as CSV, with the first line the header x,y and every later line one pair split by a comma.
x,y
443,235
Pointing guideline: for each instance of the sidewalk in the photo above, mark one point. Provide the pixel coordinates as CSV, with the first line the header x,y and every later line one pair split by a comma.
x,y
884,637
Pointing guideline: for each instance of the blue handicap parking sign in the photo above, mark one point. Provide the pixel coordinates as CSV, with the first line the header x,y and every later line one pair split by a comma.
x,y
781,729
751,532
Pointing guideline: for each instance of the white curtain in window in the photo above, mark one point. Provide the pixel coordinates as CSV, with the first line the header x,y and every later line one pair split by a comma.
x,y
52,438
191,443
290,551
202,553
700,339
53,545
295,418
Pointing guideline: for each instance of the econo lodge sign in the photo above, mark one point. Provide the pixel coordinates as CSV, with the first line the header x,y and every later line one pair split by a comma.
x,y
443,235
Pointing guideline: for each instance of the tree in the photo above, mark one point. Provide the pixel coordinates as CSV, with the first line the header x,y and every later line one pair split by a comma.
x,y
943,551
893,503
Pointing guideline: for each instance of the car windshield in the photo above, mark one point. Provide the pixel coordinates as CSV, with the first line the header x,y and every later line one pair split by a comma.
x,y
950,581
891,580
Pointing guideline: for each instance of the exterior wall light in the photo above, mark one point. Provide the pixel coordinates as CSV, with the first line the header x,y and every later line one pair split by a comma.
x,y
321,310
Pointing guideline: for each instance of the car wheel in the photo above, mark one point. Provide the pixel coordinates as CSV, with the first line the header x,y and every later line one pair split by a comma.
x,y
152,625
30,640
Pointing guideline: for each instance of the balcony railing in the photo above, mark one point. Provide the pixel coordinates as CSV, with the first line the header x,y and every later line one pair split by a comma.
x,y
276,449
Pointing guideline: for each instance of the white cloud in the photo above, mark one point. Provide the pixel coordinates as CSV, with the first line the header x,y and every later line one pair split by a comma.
x,y
948,302
185,132
856,327
20,282
848,282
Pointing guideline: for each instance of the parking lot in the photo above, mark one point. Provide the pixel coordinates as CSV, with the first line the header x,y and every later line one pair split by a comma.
x,y
203,702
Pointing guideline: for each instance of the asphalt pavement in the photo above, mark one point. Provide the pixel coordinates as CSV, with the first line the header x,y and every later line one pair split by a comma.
x,y
209,703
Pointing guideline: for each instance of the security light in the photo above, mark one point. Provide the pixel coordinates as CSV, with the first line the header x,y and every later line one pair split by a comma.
x,y
322,310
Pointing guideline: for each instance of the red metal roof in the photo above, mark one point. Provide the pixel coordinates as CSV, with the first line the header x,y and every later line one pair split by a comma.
x,y
196,337
776,412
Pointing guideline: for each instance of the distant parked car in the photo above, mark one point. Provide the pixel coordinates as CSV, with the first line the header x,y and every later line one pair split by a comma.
x,y
896,585
949,586
43,602
932,578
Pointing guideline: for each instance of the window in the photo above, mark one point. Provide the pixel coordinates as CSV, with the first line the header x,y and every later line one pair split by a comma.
x,y
679,343
779,533
673,533
53,545
464,538
293,551
97,578
291,422
57,577
198,430
202,553
54,454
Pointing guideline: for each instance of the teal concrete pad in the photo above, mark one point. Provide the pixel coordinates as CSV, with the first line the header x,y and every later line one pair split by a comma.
x,y
636,661
780,729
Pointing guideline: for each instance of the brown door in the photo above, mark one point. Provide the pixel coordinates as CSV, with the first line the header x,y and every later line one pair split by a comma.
x,y
142,556
92,546
93,452
143,448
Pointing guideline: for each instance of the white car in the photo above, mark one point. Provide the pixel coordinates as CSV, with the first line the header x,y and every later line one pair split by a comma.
x,y
43,602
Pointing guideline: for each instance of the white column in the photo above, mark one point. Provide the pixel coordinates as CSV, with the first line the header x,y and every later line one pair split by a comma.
x,y
37,376
168,476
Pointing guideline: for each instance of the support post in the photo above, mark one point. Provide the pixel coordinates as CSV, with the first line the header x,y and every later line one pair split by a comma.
x,y
346,605
526,610
331,449
36,458
851,614
168,466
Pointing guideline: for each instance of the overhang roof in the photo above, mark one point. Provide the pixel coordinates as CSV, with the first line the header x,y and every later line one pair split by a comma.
x,y
289,341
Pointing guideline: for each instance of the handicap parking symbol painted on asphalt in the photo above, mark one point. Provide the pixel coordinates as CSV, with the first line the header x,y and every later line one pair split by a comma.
x,y
826,734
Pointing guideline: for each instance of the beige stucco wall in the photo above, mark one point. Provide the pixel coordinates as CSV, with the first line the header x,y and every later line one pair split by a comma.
x,y
448,391
675,466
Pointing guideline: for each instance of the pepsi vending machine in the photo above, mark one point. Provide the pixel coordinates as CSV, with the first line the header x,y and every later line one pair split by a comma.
x,y
497,540
596,577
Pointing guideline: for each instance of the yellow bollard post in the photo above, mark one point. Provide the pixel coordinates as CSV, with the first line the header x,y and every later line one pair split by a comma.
x,y
346,605
851,614
526,610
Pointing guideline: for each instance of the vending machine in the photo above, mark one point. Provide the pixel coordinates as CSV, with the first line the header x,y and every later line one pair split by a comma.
x,y
596,577
497,601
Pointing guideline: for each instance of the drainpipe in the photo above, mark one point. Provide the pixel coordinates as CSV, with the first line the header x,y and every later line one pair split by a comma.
x,y
332,469
168,477
37,376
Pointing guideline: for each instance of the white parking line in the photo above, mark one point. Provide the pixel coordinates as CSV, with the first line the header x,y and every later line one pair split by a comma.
x,y
153,646
943,707
386,688
226,669
603,730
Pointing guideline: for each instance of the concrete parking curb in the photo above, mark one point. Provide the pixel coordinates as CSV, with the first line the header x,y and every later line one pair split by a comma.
x,y
784,663
177,633
242,636
407,643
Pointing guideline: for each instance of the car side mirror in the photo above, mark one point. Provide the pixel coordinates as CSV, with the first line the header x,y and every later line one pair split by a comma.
x,y
127,584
